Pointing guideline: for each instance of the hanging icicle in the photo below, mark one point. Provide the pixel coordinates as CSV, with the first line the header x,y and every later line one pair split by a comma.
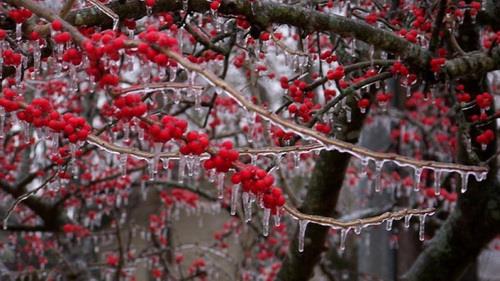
x,y
234,199
302,233
265,221
421,230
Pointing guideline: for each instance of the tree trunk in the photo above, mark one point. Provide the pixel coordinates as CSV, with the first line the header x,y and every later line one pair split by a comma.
x,y
476,219
321,199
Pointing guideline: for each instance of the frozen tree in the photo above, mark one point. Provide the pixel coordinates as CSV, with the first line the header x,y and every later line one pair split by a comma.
x,y
266,110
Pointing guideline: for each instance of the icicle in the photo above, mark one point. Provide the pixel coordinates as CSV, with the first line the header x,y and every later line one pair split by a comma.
x,y
371,52
416,180
343,236
2,118
234,198
277,217
378,175
19,73
220,185
388,226
37,57
421,230
357,229
149,11
123,163
140,132
212,175
302,233
126,132
196,167
277,160
165,162
144,192
407,221
265,221
177,96
151,169
197,101
190,165
348,114
19,31
296,159
437,182
253,159
182,169
365,165
465,179
247,206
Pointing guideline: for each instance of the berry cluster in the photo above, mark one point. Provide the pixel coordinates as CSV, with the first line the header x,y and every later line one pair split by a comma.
x,y
72,55
259,182
274,199
20,15
323,128
383,98
328,56
130,106
399,69
39,112
335,74
170,128
462,96
304,111
11,58
224,159
77,230
371,18
436,64
62,37
105,44
296,91
363,104
196,143
215,5
485,138
75,128
484,101
153,36
8,101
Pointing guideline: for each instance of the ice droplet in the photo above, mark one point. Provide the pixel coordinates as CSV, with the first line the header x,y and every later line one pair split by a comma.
x,y
123,163
465,178
365,165
220,185
378,175
277,217
407,220
182,169
437,182
247,206
302,233
388,226
357,229
416,180
234,199
343,237
265,221
296,159
421,230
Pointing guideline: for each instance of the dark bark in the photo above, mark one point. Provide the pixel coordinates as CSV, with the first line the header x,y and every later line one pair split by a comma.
x,y
321,199
476,219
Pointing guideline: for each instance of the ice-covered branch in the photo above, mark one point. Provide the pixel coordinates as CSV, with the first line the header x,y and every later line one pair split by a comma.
x,y
363,222
308,133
